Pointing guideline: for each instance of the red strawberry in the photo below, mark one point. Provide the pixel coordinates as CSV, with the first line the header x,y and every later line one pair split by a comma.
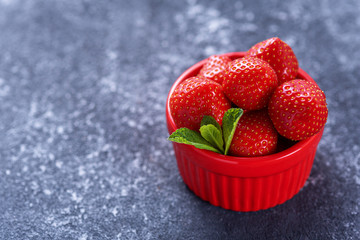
x,y
196,97
255,135
249,82
298,109
214,66
279,55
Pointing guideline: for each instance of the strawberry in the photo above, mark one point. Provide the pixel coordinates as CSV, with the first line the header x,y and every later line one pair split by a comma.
x,y
255,135
298,109
214,66
249,82
196,97
279,55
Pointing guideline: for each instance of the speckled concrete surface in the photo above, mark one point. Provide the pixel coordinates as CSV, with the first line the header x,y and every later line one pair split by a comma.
x,y
83,147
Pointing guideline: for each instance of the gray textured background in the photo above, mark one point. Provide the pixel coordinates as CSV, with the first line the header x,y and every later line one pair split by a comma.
x,y
83,147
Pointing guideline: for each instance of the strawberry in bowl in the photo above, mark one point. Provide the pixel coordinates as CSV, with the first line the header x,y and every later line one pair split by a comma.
x,y
298,109
214,67
195,98
249,83
254,136
234,158
279,55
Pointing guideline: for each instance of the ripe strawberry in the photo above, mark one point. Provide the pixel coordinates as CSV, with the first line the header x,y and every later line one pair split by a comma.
x,y
214,66
279,55
298,109
249,83
196,97
255,135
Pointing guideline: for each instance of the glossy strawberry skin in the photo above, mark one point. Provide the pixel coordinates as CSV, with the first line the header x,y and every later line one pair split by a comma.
x,y
196,97
298,109
249,82
279,55
255,135
214,67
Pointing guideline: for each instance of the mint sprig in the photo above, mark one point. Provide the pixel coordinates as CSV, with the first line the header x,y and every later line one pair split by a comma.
x,y
191,137
230,121
212,136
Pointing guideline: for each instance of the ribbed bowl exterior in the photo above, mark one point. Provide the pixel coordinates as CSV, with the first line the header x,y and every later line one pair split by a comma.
x,y
243,193
240,183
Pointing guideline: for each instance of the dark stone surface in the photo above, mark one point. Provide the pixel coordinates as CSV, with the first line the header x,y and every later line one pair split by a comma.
x,y
83,147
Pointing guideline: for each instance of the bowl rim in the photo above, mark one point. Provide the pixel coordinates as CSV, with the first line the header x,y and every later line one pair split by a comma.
x,y
283,158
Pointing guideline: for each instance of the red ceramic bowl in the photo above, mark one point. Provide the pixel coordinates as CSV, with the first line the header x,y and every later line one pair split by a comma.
x,y
243,183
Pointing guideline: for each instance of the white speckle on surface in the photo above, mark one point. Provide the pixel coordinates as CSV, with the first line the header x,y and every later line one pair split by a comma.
x,y
290,40
92,155
7,172
60,130
356,165
34,186
47,192
33,108
282,16
250,16
124,192
49,114
114,211
248,27
135,163
112,55
357,179
106,147
7,2
39,151
212,12
75,197
314,180
4,89
42,168
273,28
131,123
145,217
195,10
22,148
37,124
59,223
84,236
140,22
210,50
51,156
59,164
109,83
157,153
217,24
212,25
81,171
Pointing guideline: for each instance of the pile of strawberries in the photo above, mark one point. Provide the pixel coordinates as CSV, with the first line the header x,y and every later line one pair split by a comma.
x,y
264,84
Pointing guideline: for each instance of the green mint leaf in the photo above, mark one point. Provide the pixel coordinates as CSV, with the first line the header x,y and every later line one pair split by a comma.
x,y
190,137
210,120
213,135
230,121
